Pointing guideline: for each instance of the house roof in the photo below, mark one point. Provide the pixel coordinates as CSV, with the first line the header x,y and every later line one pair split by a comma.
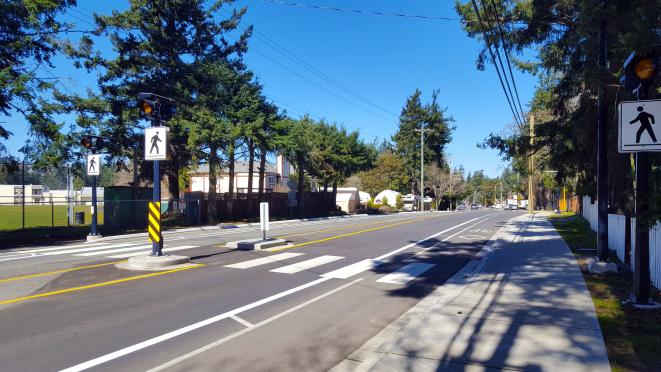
x,y
239,167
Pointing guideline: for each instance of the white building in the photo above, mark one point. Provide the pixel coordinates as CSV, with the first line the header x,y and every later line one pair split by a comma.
x,y
390,195
347,198
13,194
364,197
274,175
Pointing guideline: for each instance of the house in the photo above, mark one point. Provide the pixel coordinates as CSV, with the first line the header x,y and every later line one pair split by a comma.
x,y
13,194
274,175
347,198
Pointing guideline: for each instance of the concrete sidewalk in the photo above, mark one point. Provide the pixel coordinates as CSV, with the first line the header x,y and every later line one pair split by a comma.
x,y
521,304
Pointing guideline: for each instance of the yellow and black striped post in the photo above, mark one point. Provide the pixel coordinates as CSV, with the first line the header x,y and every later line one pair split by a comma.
x,y
154,227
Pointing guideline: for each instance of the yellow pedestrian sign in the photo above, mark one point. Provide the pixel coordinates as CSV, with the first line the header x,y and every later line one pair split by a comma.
x,y
154,224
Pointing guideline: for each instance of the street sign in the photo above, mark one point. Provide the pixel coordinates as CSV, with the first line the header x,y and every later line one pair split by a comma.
x,y
156,143
637,132
93,165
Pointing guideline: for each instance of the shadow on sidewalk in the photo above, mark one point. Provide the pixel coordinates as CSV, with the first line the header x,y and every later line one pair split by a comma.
x,y
529,304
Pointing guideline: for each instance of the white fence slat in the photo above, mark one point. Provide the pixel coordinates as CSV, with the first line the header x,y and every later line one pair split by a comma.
x,y
616,238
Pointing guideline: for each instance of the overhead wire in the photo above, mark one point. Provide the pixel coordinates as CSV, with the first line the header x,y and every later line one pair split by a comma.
x,y
506,51
493,60
518,109
359,11
303,77
285,52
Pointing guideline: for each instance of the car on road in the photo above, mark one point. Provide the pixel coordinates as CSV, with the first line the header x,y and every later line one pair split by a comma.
x,y
475,206
512,207
461,207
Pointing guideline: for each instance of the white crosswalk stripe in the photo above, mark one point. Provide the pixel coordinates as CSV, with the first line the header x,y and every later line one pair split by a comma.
x,y
264,260
406,273
353,269
87,249
306,265
109,249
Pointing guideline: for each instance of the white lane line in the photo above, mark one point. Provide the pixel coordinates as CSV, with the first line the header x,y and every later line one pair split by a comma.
x,y
166,250
361,266
353,269
264,260
305,265
111,251
242,321
406,274
392,253
60,247
177,332
78,250
244,331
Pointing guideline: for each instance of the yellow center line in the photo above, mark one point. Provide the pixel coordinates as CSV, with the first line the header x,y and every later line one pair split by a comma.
x,y
350,234
96,285
331,229
58,271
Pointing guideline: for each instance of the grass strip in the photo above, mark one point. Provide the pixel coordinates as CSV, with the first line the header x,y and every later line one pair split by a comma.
x,y
632,336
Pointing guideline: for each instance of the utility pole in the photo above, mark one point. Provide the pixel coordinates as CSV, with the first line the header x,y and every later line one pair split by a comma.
x,y
422,165
602,149
531,162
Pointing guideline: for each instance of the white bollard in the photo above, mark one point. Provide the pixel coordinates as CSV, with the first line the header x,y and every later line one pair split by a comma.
x,y
264,218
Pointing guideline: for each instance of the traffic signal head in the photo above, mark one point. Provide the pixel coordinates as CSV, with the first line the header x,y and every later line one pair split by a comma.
x,y
644,68
153,106
639,70
86,142
147,105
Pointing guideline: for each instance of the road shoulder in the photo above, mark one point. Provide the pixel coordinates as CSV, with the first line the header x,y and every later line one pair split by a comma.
x,y
520,304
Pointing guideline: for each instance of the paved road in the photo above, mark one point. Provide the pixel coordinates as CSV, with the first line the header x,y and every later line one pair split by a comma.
x,y
303,308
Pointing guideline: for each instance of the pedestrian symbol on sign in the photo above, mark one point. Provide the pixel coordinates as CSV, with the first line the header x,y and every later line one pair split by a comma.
x,y
156,143
644,118
92,163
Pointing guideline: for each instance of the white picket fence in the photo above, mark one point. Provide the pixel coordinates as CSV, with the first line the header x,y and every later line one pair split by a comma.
x,y
616,235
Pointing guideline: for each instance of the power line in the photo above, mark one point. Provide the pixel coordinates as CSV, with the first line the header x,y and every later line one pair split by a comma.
x,y
288,54
506,51
308,80
318,85
369,12
500,63
493,60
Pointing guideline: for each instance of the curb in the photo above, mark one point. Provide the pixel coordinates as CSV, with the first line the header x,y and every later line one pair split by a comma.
x,y
368,354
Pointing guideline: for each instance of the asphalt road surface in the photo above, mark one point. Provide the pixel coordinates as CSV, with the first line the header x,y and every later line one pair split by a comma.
x,y
302,308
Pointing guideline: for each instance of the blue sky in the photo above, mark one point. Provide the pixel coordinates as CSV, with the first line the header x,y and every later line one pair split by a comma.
x,y
382,59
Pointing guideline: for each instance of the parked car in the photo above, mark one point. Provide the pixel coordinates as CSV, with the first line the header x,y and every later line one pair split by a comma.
x,y
461,207
475,206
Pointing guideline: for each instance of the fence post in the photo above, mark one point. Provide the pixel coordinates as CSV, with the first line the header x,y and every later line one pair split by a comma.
x,y
52,214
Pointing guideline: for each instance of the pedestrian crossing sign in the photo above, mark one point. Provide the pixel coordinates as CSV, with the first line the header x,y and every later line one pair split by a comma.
x,y
156,143
638,129
94,165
